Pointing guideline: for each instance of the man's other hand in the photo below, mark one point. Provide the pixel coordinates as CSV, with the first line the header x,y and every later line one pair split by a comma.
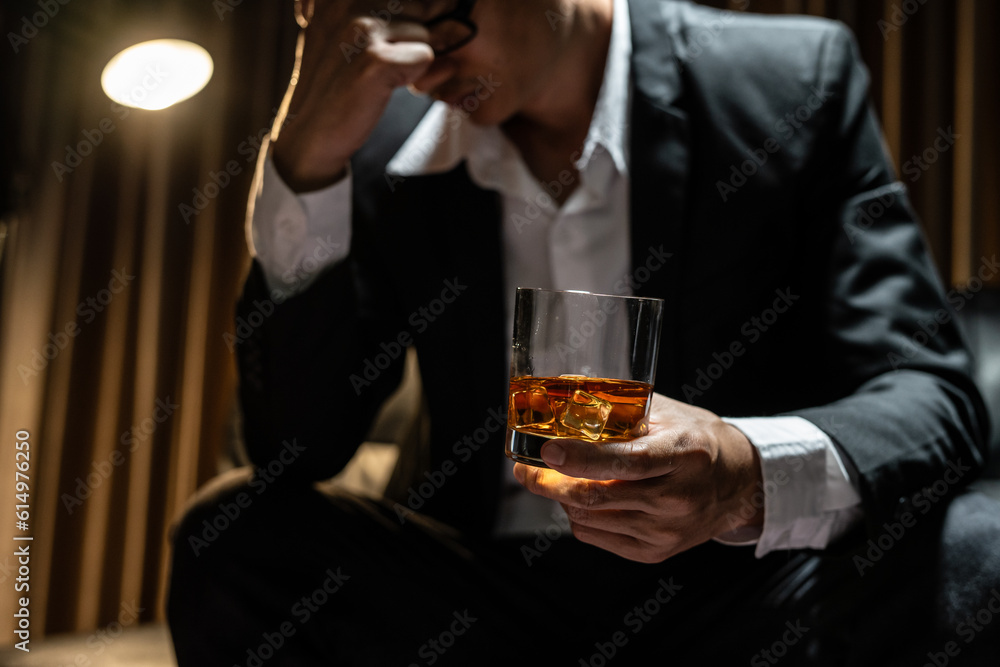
x,y
655,496
349,61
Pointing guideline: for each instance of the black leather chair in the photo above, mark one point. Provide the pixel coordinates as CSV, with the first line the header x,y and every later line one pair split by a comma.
x,y
980,318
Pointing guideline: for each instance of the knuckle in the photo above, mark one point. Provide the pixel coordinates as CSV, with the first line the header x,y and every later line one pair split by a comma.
x,y
377,55
589,495
620,466
695,442
682,505
595,495
639,460
685,440
364,23
531,479
701,458
577,514
584,460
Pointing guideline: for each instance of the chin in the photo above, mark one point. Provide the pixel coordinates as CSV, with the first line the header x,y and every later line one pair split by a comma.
x,y
484,113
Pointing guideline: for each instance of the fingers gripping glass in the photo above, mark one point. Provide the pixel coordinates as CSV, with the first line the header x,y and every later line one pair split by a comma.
x,y
452,30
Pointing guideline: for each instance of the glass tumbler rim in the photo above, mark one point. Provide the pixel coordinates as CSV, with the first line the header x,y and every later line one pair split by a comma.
x,y
600,294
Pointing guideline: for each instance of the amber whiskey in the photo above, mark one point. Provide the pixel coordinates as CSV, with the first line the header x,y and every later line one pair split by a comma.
x,y
573,406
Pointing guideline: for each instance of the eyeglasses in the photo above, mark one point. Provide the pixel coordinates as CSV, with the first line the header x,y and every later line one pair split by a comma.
x,y
452,30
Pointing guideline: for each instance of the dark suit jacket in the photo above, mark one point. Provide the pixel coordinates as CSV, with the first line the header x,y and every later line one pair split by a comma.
x,y
757,163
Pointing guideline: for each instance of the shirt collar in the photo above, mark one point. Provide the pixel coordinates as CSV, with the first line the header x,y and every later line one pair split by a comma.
x,y
445,137
608,127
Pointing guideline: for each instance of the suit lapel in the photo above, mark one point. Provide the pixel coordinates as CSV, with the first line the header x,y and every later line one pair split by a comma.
x,y
660,157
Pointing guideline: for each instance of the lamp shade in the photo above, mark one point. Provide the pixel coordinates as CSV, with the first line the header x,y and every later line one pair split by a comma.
x,y
157,74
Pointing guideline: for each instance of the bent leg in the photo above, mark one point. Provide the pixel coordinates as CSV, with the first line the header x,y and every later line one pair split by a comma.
x,y
308,578
319,579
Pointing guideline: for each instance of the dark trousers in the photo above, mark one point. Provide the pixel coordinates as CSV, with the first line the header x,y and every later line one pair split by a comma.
x,y
304,577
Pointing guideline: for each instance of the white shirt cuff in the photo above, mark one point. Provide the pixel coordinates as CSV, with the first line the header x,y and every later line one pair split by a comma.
x,y
807,495
296,236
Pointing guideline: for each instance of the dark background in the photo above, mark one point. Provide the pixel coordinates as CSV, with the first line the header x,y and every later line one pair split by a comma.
x,y
161,338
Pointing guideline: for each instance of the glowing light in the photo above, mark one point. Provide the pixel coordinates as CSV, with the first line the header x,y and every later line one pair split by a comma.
x,y
157,74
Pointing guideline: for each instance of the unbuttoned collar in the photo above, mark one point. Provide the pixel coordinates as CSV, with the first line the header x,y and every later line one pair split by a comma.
x,y
445,136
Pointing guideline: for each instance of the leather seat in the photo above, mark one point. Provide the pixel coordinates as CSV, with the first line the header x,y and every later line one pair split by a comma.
x,y
980,319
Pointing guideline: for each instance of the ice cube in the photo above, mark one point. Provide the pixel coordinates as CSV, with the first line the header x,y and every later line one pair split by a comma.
x,y
530,408
586,414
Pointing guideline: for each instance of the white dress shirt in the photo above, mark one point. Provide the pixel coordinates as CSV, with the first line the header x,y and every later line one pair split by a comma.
x,y
807,495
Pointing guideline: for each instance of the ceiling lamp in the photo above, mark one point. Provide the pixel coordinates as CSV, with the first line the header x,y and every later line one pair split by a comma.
x,y
157,74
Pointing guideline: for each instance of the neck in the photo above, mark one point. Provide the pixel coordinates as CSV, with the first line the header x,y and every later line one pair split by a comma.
x,y
565,101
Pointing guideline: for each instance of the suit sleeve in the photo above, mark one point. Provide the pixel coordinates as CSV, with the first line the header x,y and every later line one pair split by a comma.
x,y
914,413
309,328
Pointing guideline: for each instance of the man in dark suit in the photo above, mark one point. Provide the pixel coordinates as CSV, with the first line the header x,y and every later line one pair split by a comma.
x,y
728,164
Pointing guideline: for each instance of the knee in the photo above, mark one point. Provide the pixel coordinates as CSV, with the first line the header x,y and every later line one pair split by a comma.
x,y
214,517
232,516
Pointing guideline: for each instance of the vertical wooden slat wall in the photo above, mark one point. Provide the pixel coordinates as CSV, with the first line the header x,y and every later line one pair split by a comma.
x,y
965,122
107,479
160,340
143,350
988,132
892,82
